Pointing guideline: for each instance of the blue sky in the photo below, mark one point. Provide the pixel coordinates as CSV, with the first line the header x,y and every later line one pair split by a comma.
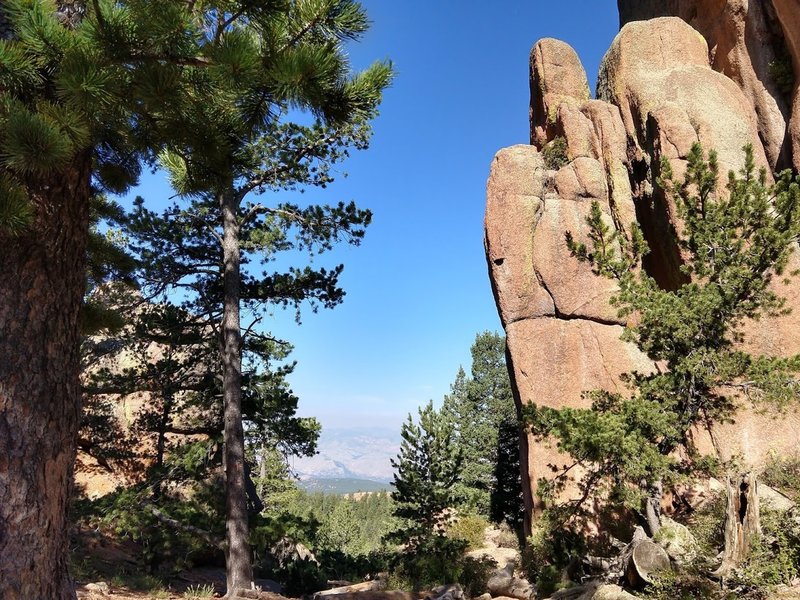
x,y
417,288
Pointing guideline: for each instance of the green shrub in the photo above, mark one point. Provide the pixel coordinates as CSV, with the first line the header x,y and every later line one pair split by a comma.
x,y
707,525
138,582
549,551
475,573
469,528
342,566
507,538
669,585
782,73
301,577
429,562
197,592
126,515
775,558
554,153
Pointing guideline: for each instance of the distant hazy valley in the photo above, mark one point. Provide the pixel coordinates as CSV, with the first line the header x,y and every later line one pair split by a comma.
x,y
350,460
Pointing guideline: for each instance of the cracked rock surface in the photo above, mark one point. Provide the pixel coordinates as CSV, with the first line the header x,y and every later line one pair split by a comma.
x,y
662,87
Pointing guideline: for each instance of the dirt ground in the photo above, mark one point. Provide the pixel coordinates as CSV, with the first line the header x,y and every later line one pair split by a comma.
x,y
181,587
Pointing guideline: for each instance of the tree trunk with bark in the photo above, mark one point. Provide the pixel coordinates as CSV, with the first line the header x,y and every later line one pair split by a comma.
x,y
652,507
237,548
42,282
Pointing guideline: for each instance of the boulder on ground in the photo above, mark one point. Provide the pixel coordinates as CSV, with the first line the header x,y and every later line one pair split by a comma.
x,y
365,586
503,583
611,592
451,591
679,543
93,590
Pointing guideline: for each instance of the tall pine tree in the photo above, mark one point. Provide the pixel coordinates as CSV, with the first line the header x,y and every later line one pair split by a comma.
x,y
486,429
89,90
427,468
169,358
237,142
68,127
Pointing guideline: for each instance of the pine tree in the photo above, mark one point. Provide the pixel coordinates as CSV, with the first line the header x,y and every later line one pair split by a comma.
x,y
427,468
89,90
735,244
175,435
486,430
73,123
244,144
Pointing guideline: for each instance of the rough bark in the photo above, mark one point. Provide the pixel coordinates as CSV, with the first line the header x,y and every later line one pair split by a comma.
x,y
42,281
237,549
161,444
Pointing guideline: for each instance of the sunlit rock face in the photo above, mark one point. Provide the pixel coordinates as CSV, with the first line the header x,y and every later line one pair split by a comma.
x,y
749,41
661,88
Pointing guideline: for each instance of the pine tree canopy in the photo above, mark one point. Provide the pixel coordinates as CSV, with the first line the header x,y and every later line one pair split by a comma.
x,y
92,91
167,352
486,430
736,245
427,468
123,78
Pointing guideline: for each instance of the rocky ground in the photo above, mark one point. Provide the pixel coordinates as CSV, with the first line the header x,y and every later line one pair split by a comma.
x,y
677,546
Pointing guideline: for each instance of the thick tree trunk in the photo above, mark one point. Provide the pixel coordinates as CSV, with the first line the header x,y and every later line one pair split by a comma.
x,y
161,444
42,281
237,549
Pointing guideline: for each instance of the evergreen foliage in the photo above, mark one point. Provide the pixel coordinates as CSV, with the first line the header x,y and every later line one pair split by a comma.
x,y
233,137
352,524
173,439
427,468
91,90
736,245
486,430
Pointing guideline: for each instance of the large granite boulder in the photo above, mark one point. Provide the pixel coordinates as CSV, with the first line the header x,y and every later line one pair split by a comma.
x,y
657,72
658,95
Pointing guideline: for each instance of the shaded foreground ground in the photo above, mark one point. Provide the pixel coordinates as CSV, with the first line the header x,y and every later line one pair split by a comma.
x,y
196,583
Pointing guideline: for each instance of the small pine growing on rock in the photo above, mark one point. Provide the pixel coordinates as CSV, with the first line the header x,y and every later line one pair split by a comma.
x,y
736,244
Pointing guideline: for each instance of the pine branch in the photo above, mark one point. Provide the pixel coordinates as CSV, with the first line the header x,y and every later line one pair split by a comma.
x,y
284,168
222,26
303,31
181,61
200,219
209,538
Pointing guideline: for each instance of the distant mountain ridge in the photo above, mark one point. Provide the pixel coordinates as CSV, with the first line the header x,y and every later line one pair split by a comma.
x,y
356,454
346,485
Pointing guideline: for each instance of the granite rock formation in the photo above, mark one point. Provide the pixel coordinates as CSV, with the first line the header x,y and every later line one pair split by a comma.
x,y
663,85
757,45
